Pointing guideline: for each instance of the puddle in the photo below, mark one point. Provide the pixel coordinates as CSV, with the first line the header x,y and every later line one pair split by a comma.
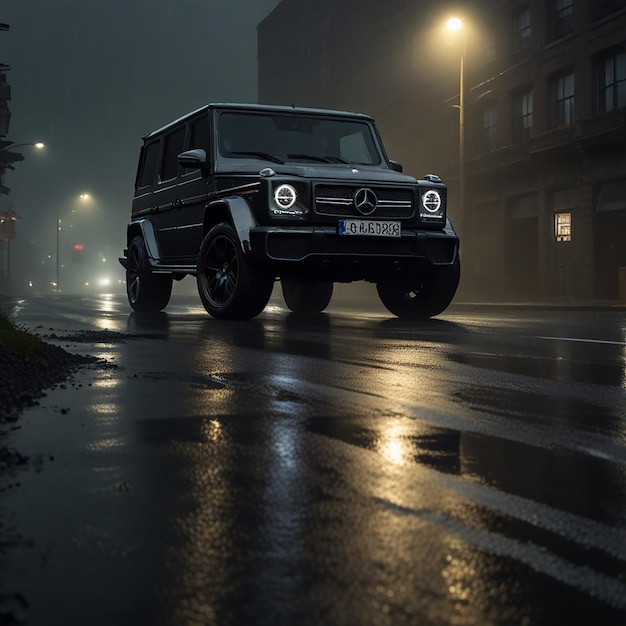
x,y
534,408
548,367
559,478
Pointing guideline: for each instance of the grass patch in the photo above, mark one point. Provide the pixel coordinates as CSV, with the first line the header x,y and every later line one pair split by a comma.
x,y
19,340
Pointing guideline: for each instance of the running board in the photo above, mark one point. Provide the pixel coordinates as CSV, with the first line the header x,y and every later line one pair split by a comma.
x,y
160,268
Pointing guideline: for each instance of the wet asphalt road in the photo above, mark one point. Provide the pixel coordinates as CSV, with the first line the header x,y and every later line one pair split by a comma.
x,y
348,469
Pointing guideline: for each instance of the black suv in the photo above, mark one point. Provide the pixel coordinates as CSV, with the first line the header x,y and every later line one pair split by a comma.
x,y
240,195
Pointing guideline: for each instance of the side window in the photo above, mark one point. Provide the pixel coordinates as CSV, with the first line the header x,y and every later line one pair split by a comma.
x,y
200,137
148,164
174,143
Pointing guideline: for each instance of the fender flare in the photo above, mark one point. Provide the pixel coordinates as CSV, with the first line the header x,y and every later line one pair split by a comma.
x,y
241,217
147,232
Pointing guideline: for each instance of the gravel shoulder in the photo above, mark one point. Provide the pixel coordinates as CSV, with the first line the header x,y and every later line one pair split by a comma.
x,y
23,382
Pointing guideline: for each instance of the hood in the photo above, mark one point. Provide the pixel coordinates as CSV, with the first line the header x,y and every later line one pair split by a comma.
x,y
337,172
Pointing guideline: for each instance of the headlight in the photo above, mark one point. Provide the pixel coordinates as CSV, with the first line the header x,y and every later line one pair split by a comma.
x,y
285,196
432,205
285,202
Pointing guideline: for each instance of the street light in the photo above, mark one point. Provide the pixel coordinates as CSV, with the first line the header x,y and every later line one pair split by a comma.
x,y
83,197
37,144
455,24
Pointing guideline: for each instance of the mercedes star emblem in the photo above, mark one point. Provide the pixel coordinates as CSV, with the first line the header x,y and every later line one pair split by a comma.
x,y
365,201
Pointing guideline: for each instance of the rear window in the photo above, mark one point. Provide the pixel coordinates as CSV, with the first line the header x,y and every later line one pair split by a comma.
x,y
174,143
149,164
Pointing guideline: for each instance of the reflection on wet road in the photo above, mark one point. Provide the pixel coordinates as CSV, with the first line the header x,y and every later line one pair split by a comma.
x,y
346,468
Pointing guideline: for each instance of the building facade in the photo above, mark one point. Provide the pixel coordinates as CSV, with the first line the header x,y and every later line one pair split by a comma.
x,y
534,152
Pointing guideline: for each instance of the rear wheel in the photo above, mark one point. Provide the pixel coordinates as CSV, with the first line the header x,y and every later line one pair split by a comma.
x,y
146,291
306,296
430,297
229,288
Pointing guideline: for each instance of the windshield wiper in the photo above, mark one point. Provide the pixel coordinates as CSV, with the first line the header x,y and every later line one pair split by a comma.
x,y
263,155
309,157
337,159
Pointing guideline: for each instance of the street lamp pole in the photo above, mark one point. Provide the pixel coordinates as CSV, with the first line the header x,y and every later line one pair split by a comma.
x,y
455,24
57,254
462,138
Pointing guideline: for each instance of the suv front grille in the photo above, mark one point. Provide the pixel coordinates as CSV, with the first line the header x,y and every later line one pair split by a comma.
x,y
337,201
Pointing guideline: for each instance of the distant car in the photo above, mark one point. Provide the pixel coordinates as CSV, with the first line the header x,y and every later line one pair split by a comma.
x,y
242,195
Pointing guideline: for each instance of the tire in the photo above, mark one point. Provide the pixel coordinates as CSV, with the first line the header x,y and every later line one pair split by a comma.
x,y
229,288
306,296
147,292
428,299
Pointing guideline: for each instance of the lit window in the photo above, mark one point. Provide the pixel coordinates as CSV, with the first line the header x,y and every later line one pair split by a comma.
x,y
563,226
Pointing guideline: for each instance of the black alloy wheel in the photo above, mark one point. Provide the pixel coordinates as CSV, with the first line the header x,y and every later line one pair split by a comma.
x,y
228,286
147,292
306,296
428,298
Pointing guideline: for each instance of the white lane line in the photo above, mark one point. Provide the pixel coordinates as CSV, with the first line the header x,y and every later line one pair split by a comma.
x,y
610,343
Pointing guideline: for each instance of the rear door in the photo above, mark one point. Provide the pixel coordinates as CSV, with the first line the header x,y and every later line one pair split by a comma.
x,y
193,189
165,217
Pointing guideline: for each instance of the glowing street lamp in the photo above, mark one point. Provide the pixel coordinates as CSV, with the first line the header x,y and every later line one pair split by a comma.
x,y
38,144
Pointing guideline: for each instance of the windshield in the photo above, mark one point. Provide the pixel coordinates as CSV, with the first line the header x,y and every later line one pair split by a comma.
x,y
280,138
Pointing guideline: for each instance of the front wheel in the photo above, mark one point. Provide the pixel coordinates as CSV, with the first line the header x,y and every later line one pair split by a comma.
x,y
306,296
429,297
147,292
229,288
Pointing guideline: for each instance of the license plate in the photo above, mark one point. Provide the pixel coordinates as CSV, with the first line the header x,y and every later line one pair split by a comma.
x,y
373,228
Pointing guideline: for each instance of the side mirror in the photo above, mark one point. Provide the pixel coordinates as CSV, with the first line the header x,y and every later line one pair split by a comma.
x,y
395,166
193,159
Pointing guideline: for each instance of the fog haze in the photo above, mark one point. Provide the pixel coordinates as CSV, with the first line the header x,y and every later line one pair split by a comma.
x,y
90,79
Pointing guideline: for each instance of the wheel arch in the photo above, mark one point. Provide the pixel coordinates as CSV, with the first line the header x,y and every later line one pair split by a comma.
x,y
145,229
235,211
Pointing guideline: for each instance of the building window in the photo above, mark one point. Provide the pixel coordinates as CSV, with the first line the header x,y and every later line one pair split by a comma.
x,y
563,100
489,47
563,226
560,18
523,115
604,7
611,77
521,30
489,128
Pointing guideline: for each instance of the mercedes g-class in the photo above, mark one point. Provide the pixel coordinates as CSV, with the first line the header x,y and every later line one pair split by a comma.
x,y
242,195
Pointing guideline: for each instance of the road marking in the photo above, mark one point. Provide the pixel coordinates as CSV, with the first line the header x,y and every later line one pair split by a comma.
x,y
610,343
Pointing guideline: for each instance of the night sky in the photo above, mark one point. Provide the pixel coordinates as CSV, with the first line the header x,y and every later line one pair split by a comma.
x,y
90,78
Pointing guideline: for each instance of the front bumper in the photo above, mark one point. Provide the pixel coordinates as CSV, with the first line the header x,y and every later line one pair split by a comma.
x,y
300,244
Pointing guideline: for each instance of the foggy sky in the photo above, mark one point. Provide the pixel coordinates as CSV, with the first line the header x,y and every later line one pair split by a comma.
x,y
90,78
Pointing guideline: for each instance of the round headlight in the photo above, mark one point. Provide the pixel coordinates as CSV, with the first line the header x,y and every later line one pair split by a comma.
x,y
431,201
285,196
